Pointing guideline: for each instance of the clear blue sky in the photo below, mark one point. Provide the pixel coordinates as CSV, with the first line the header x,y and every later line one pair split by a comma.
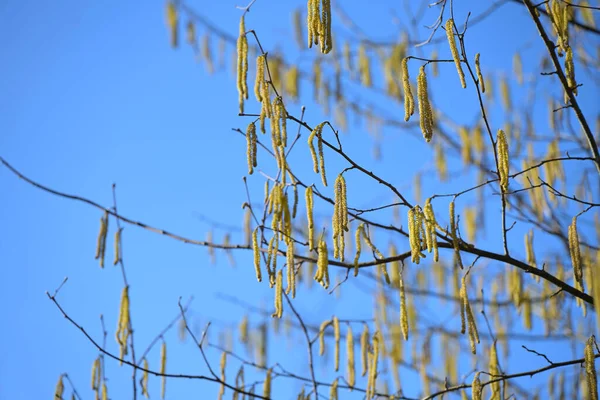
x,y
92,94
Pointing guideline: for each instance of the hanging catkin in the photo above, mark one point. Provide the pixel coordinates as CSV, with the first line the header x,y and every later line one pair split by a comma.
x,y
454,50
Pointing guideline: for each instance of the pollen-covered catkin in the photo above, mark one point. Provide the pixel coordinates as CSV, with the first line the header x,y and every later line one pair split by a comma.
x,y
251,141
60,388
372,379
308,194
575,251
476,387
454,50
322,328
318,164
101,242
242,64
351,372
425,113
473,333
415,231
357,244
364,349
590,369
570,71
430,226
502,149
267,385
278,295
163,368
322,275
123,332
480,79
403,308
222,365
117,247
409,101
336,337
340,218
256,252
144,380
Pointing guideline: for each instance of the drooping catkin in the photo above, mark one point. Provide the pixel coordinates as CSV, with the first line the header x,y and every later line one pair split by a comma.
x,y
480,79
570,71
291,274
267,384
117,246
494,370
96,374
425,113
364,349
454,234
239,384
476,388
364,66
251,141
372,379
223,365
242,64
278,295
123,332
530,254
466,309
326,41
313,21
101,242
322,328
319,24
430,226
322,275
308,194
333,391
318,164
357,244
144,380
590,369
575,251
403,308
256,253
172,22
340,218
502,149
409,101
454,50
415,233
163,368
351,371
336,337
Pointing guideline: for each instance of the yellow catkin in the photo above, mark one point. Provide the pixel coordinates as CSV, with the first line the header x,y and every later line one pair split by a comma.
x,y
117,246
313,22
466,306
60,388
104,391
364,349
372,379
357,244
326,41
409,101
101,242
502,149
403,309
476,388
430,226
480,79
239,384
163,369
123,332
575,251
316,132
415,233
322,328
251,141
309,216
590,369
278,295
172,22
505,91
454,234
291,274
454,51
223,366
425,113
493,369
144,380
322,275
351,372
96,374
256,252
242,64
267,385
336,336
340,218
333,391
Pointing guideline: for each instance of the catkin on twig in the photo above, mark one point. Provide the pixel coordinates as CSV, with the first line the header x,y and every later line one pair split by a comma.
x,y
454,50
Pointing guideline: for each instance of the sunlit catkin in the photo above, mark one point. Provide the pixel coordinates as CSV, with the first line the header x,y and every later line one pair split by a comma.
x,y
372,378
256,253
319,24
322,275
570,70
223,365
308,194
96,374
278,295
415,233
575,251
425,113
476,388
340,218
101,242
144,380
403,308
466,308
350,367
357,244
322,328
409,101
123,332
172,22
336,337
333,391
590,369
318,164
494,370
117,247
480,79
267,385
502,149
163,369
364,349
251,141
242,64
454,50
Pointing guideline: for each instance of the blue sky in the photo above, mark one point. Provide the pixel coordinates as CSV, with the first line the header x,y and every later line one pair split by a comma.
x,y
92,94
